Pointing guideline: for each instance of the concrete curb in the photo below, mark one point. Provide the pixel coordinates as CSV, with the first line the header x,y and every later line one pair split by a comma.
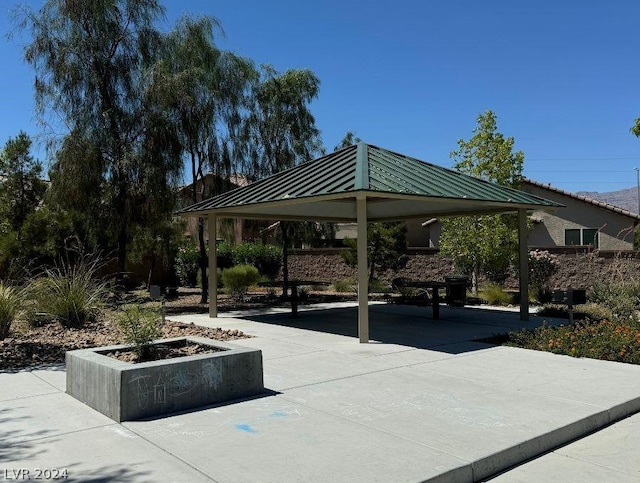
x,y
514,456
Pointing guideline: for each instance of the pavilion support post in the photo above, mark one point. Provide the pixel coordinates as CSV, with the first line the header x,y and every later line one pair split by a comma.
x,y
363,272
524,264
212,222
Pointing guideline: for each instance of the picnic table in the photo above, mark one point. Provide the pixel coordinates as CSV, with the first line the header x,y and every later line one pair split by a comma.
x,y
294,284
433,285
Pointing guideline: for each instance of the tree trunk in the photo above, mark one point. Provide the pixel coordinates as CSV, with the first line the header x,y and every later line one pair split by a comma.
x,y
152,269
474,279
122,254
121,205
204,262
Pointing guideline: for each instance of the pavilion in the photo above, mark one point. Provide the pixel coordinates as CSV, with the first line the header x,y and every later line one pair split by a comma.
x,y
363,183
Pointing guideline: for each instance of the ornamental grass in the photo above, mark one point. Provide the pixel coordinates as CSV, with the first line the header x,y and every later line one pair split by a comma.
x,y
11,301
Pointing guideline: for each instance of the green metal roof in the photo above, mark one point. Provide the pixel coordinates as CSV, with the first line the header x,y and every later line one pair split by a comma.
x,y
410,187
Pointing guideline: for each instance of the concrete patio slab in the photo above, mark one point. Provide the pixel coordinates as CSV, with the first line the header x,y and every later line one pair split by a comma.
x,y
425,402
53,374
600,383
343,344
411,356
275,348
276,331
312,368
19,385
276,440
109,453
487,427
47,415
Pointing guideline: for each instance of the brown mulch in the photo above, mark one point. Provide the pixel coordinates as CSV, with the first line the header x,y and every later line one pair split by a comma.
x,y
158,352
29,346
33,346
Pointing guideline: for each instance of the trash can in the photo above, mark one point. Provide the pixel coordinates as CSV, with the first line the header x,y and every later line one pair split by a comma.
x,y
456,290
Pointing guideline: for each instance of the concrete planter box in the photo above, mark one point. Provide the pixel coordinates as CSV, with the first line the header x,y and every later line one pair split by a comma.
x,y
124,391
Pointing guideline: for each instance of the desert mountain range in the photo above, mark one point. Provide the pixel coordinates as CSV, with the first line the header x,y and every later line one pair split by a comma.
x,y
627,198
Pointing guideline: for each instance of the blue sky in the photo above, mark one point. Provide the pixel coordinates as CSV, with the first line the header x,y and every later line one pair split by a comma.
x,y
412,75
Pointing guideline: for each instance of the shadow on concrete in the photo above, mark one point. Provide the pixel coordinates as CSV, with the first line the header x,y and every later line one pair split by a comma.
x,y
457,331
112,473
15,444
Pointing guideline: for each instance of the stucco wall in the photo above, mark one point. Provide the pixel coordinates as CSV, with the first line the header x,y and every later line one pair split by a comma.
x,y
616,230
417,235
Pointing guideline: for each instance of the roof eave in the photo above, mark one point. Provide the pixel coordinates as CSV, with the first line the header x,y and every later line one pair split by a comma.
x,y
584,199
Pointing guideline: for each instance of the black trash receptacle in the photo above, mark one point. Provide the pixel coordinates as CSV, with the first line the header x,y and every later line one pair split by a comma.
x,y
456,289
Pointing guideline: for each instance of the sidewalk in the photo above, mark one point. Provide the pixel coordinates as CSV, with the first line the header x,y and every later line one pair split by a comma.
x,y
423,403
608,455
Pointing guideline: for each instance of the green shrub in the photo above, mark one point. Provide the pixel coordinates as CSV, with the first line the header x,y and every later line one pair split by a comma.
x,y
225,255
219,277
9,252
554,310
590,311
187,265
620,298
11,300
344,285
594,312
266,258
495,294
379,286
238,279
71,292
139,327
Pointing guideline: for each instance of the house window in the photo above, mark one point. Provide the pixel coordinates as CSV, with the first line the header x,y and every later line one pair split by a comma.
x,y
572,237
584,236
590,237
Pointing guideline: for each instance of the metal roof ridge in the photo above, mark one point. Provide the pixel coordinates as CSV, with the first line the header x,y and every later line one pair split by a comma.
x,y
362,167
369,170
459,174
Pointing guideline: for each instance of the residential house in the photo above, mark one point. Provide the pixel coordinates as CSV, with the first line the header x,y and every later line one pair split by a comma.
x,y
235,231
583,222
